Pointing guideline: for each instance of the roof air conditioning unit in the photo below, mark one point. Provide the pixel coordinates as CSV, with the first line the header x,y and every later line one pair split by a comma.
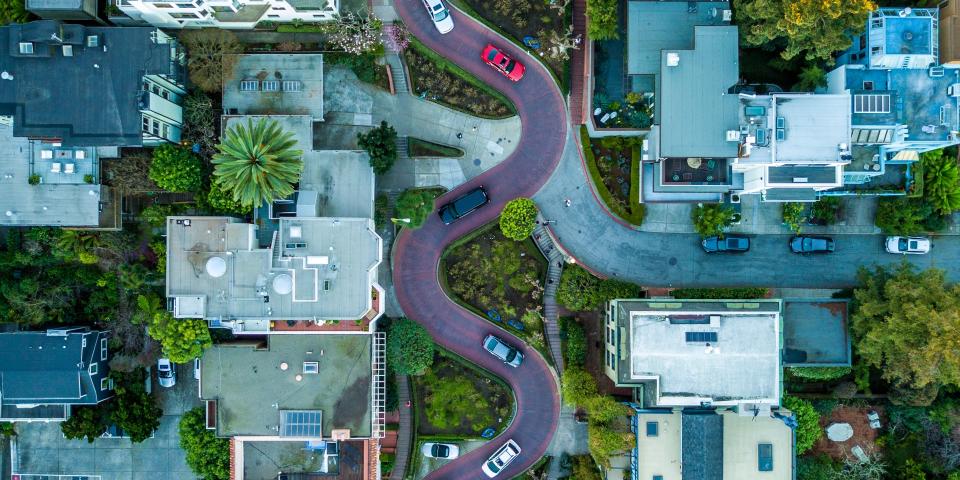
x,y
728,16
673,59
733,135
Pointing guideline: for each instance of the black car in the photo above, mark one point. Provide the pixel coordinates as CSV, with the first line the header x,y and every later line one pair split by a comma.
x,y
811,244
729,243
464,204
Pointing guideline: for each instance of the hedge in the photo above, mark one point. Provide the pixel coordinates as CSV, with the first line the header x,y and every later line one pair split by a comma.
x,y
746,293
818,374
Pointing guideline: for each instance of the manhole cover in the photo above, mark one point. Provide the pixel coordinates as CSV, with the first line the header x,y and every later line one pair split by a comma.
x,y
672,261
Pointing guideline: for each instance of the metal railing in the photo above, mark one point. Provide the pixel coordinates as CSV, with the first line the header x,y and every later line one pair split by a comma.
x,y
379,384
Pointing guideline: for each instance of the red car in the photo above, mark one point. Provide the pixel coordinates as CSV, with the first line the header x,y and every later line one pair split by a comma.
x,y
511,68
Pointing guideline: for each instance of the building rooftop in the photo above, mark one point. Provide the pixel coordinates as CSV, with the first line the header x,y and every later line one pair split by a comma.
x,y
690,352
262,460
83,95
695,107
270,84
253,390
908,35
815,332
54,4
48,367
653,27
803,175
702,447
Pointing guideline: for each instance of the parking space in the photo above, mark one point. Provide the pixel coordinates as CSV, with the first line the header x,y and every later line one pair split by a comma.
x,y
41,448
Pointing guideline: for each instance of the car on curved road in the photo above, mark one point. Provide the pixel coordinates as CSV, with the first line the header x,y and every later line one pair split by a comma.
x,y
501,458
498,348
908,245
440,450
464,204
509,67
729,243
440,15
811,244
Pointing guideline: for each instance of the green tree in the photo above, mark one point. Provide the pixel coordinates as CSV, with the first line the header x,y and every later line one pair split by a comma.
x,y
207,455
518,218
415,204
711,219
901,215
604,409
451,401
182,339
814,28
84,422
793,215
135,411
579,290
826,210
906,323
78,245
257,163
576,353
175,169
381,144
603,16
605,442
212,56
941,182
584,468
221,201
808,429
13,11
410,347
811,78
579,387
818,467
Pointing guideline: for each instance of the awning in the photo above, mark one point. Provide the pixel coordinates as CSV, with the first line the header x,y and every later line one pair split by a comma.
x,y
907,155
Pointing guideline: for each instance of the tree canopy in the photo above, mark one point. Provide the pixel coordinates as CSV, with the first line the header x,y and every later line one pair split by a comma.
x,y
257,163
812,28
212,56
941,181
579,290
603,15
381,144
134,410
410,347
183,339
902,215
518,218
711,219
415,204
207,455
907,324
175,169
808,422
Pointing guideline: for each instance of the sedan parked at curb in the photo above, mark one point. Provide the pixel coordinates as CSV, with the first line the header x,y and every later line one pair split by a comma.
x,y
498,348
166,373
811,244
464,204
440,15
729,243
509,67
440,450
908,245
501,458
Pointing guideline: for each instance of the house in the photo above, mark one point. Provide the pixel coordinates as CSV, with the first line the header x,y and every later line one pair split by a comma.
x,y
228,14
44,374
950,34
72,95
275,84
63,9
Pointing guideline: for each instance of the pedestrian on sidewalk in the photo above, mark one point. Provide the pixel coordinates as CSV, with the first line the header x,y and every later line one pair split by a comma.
x,y
567,202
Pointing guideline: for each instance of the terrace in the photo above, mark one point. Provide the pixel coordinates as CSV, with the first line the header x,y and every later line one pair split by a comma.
x,y
696,171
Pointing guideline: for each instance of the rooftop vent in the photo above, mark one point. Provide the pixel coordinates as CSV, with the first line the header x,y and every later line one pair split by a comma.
x,y
673,59
311,367
283,284
733,135
216,267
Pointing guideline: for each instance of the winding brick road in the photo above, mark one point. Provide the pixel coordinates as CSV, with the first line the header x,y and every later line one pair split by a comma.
x,y
417,253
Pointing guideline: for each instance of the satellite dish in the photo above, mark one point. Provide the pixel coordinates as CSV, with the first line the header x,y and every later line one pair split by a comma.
x,y
283,284
216,267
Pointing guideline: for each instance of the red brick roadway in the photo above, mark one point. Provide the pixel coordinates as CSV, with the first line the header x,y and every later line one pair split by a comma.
x,y
417,253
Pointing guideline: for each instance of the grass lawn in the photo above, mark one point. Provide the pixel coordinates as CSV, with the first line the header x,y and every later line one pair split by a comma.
x,y
613,169
437,79
423,148
364,66
486,271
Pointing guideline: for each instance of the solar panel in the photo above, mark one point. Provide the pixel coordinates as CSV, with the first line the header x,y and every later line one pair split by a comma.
x,y
701,337
271,86
300,423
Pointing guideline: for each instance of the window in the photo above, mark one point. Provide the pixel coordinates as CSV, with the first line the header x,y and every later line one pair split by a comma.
x,y
867,85
653,429
658,477
94,368
26,48
613,359
165,94
765,457
103,349
104,383
871,103
93,41
146,124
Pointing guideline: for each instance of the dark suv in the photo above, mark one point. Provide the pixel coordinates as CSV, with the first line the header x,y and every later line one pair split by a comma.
x,y
730,243
811,244
464,204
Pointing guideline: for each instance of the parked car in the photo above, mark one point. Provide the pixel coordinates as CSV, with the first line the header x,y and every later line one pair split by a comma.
x,y
440,450
498,348
509,67
729,243
166,373
501,458
196,368
811,244
464,204
908,245
440,15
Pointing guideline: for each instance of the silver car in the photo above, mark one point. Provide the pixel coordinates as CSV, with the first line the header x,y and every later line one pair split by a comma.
x,y
908,245
501,458
166,373
498,348
446,451
439,14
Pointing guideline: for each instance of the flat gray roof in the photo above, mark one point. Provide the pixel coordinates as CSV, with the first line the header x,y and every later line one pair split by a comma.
x,y
696,110
804,175
656,26
252,389
265,71
815,126
815,332
60,200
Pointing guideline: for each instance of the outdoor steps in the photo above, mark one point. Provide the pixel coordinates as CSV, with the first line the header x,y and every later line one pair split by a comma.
x,y
555,261
578,62
402,148
404,433
399,75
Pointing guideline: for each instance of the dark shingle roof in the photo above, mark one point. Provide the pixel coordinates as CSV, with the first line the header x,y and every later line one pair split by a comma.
x,y
702,449
88,99
42,368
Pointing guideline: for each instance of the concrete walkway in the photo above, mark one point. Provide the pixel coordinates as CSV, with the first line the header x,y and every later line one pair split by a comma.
x,y
571,438
405,440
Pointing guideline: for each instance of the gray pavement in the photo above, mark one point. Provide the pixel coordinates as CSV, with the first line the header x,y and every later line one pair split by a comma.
x,y
427,465
571,438
587,232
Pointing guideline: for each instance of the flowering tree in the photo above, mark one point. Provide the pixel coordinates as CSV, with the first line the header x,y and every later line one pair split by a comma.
x,y
355,34
399,37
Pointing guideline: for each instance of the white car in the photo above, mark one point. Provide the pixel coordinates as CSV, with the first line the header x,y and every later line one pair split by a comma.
x,y
501,458
196,368
440,15
166,373
908,245
440,450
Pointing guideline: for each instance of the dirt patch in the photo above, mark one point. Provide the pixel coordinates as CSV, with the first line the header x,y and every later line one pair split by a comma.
x,y
490,407
863,435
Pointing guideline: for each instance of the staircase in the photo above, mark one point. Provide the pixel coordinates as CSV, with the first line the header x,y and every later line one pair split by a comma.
x,y
578,62
405,431
402,144
551,317
399,75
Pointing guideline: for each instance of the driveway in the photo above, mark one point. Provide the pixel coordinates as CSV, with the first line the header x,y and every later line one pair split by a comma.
x,y
544,122
41,448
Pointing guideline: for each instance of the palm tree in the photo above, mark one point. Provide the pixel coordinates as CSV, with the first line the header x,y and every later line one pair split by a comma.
x,y
258,163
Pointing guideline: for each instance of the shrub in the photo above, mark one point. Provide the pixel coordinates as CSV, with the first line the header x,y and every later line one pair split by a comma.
x,y
605,442
808,429
381,210
579,387
819,467
34,179
902,216
584,468
576,343
579,290
415,204
793,215
156,215
603,15
381,144
182,339
745,293
826,210
84,422
88,178
13,11
175,169
604,409
410,347
819,374
711,219
221,201
451,401
518,218
207,455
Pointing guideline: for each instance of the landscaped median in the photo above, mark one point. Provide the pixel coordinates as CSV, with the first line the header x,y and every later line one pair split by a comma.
x,y
615,174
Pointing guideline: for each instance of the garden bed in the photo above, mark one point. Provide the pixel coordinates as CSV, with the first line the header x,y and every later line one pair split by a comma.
x,y
455,400
614,167
499,279
863,435
422,148
365,67
437,79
